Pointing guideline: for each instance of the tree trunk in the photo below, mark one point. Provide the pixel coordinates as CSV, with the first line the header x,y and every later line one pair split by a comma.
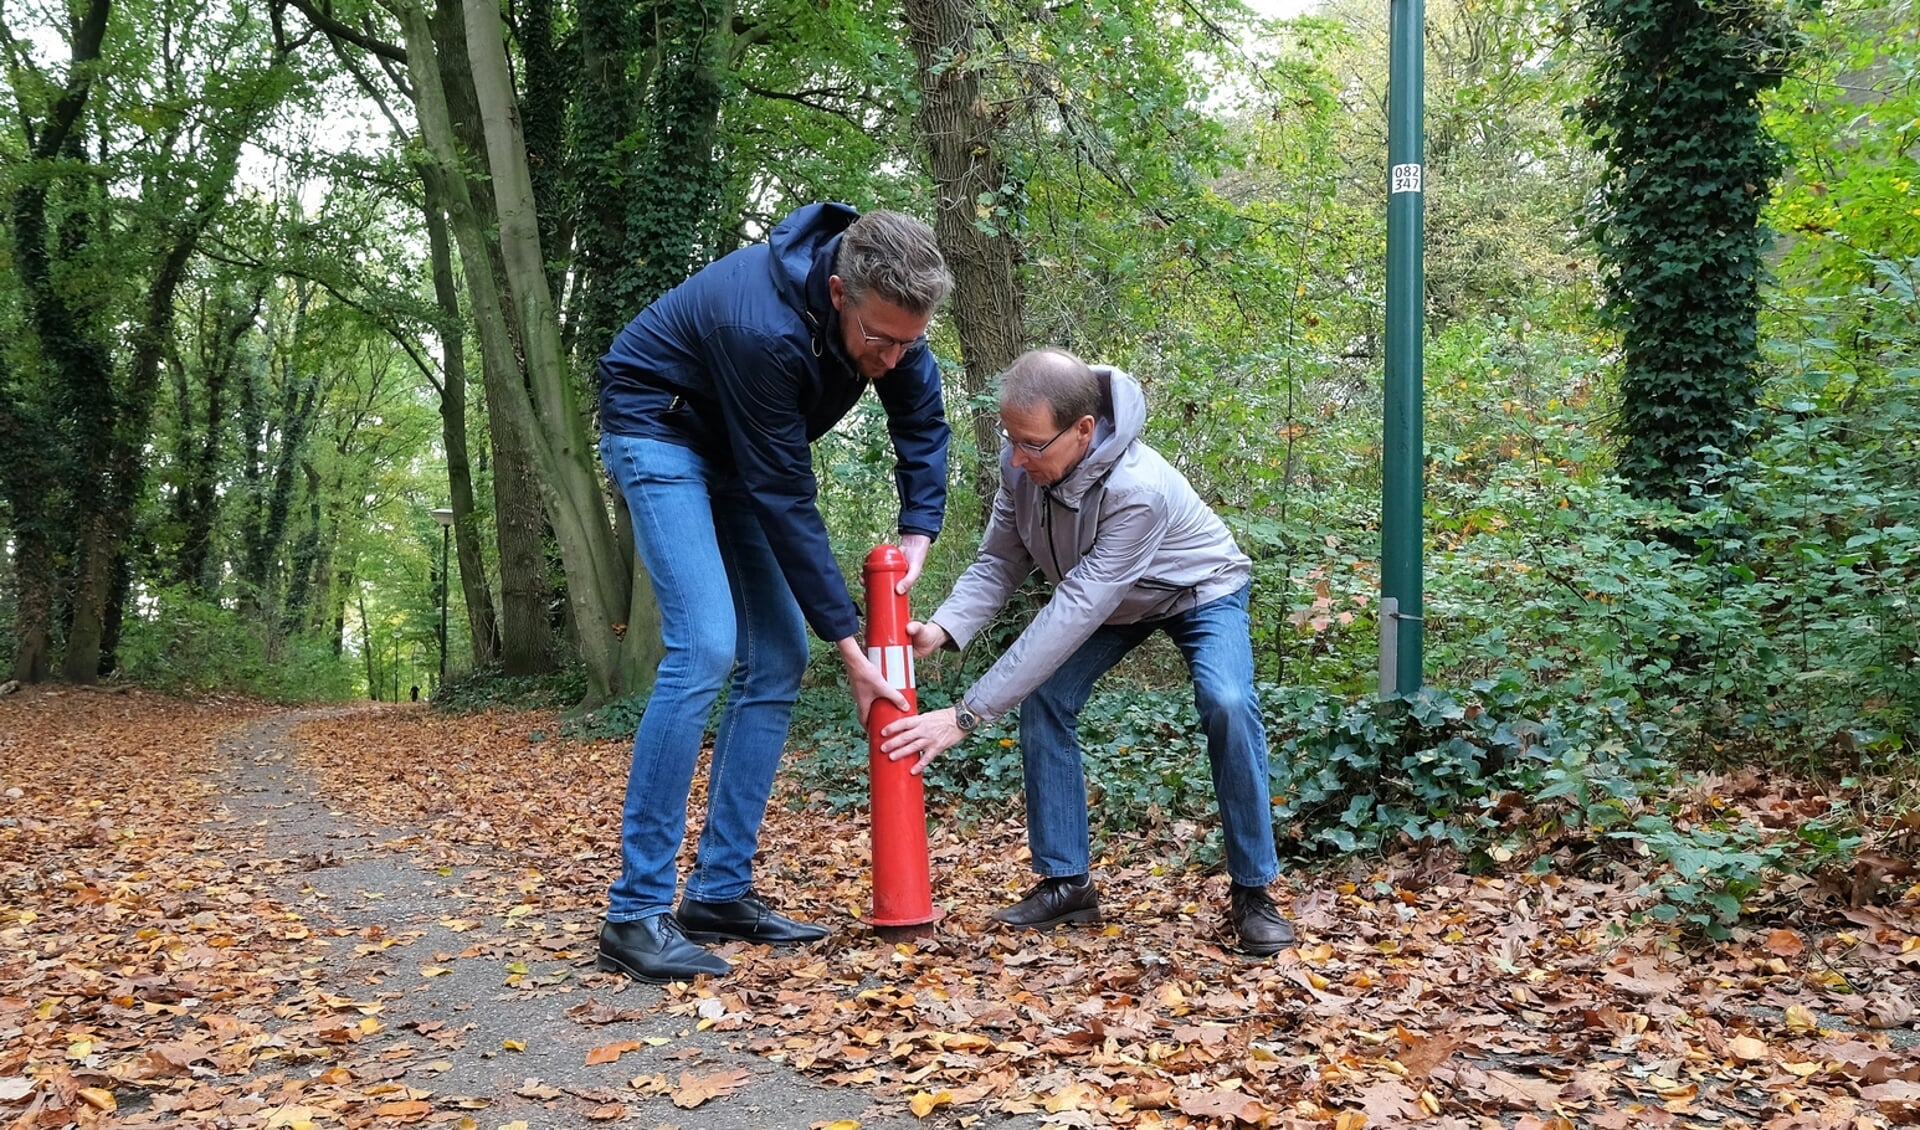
x,y
197,505
481,625
33,616
670,198
519,515
597,589
988,309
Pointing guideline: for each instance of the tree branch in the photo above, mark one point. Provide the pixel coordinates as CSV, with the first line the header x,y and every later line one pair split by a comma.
x,y
337,30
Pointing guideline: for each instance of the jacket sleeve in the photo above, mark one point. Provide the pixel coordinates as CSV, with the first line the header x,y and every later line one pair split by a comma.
x,y
917,421
982,590
759,391
1129,536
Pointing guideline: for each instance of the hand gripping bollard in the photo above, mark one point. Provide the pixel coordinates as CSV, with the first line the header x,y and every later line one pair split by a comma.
x,y
902,891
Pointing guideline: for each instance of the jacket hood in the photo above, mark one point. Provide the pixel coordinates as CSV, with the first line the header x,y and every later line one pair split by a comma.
x,y
796,243
1123,412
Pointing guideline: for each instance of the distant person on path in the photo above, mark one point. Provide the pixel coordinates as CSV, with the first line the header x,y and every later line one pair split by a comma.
x,y
709,400
1130,550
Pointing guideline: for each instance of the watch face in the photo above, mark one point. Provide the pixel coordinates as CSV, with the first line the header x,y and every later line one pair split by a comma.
x,y
965,719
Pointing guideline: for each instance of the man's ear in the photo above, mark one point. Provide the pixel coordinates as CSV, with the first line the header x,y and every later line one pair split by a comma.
x,y
837,291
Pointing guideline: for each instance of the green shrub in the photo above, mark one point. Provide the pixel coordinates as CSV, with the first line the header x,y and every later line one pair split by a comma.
x,y
181,644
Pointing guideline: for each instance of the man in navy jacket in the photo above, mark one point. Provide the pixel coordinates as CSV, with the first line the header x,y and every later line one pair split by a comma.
x,y
709,400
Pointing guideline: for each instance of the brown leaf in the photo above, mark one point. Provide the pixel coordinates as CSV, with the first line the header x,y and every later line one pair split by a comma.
x,y
1389,1101
412,1110
1424,1053
608,1112
1891,1094
1221,1103
1890,1009
1522,1090
609,1053
1785,943
696,1089
535,1089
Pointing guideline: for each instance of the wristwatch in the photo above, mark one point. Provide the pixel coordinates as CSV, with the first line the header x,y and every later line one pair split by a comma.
x,y
965,718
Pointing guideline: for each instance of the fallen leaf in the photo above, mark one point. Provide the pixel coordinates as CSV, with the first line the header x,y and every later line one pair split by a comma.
x,y
99,1098
1222,1103
609,1053
924,1103
607,1112
1887,1010
514,1045
412,1110
291,1118
15,1089
696,1089
1748,1048
1785,943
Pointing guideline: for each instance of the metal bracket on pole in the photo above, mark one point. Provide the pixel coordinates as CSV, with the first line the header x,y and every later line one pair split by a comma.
x,y
1390,618
1389,645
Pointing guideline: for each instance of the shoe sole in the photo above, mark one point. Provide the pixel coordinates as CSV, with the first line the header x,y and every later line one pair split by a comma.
x,y
612,965
1070,918
1252,951
705,938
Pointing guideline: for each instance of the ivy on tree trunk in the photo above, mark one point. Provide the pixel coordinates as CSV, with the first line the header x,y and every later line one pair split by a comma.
x,y
1675,113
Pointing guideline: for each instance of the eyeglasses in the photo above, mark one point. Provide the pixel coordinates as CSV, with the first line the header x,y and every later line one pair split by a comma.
x,y
884,341
1033,448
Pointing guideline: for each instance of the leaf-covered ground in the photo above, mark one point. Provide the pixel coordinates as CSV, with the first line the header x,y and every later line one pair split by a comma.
x,y
175,951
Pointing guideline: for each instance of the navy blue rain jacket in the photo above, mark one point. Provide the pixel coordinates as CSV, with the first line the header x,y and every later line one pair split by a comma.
x,y
744,363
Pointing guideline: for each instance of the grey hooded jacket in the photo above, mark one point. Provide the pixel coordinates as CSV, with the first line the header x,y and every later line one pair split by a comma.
x,y
1123,537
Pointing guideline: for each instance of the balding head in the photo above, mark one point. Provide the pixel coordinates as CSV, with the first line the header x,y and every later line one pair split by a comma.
x,y
1053,379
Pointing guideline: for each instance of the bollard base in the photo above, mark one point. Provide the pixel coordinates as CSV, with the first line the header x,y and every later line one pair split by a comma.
x,y
905,929
896,932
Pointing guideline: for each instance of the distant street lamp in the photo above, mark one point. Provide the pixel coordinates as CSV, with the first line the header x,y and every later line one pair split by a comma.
x,y
443,516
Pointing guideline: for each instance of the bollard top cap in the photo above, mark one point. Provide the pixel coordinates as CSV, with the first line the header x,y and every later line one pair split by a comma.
x,y
886,558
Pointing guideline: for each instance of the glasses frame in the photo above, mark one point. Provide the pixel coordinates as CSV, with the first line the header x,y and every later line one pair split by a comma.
x,y
883,340
1032,449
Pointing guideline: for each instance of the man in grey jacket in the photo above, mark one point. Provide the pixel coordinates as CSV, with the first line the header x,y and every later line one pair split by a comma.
x,y
1130,549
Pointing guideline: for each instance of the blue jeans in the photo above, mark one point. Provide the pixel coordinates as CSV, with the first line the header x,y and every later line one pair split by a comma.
x,y
726,617
1214,640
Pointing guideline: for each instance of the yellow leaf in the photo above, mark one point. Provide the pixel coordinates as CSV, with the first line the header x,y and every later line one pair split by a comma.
x,y
99,1098
434,971
836,1124
1800,1018
923,1103
516,967
514,1045
80,1049
291,1118
520,911
369,1026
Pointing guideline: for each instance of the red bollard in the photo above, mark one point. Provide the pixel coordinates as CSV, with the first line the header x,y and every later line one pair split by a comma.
x,y
902,891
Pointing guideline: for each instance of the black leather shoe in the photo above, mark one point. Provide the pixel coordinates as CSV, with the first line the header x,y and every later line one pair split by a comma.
x,y
745,919
1262,931
654,950
1051,902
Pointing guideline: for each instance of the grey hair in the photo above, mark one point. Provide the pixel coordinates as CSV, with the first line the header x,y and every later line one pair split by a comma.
x,y
893,256
1055,378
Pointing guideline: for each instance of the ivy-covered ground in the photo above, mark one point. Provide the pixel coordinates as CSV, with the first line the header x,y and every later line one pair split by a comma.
x,y
174,950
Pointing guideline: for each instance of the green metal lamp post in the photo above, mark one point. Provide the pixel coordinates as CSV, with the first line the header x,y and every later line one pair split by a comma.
x,y
1401,644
